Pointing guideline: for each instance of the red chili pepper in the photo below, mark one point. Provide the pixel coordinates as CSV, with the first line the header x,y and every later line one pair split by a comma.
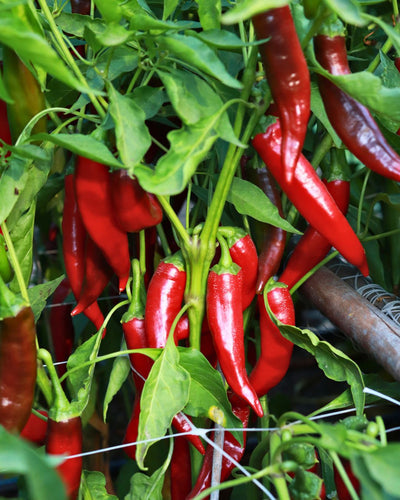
x,y
35,430
131,432
311,198
231,447
80,7
64,437
276,351
133,208
5,134
92,186
225,319
96,276
312,246
243,253
342,491
181,474
274,238
74,237
288,77
17,369
164,299
61,325
351,120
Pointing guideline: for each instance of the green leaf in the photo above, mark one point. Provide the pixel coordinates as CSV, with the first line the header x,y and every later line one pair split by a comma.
x,y
147,487
132,135
209,14
114,35
221,39
144,22
93,486
197,54
119,373
249,199
109,10
193,99
149,99
207,396
10,304
17,456
83,145
305,485
75,24
318,109
333,362
382,465
165,393
188,147
12,181
81,379
39,294
168,8
348,10
388,29
246,9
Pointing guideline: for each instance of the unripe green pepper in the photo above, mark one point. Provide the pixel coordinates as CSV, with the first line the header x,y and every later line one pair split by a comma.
x,y
6,272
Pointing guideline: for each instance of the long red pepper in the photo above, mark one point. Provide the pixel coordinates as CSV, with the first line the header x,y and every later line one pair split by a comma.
x,y
351,120
133,208
92,186
288,77
17,369
225,319
35,429
64,437
231,446
5,134
181,474
164,299
311,198
74,237
276,351
96,277
312,246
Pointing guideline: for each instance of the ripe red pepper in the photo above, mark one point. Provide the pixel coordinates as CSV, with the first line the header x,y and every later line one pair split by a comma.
x,y
133,208
311,198
243,253
351,120
181,474
74,237
225,319
231,446
65,437
61,325
96,276
164,299
17,369
35,429
342,491
80,7
289,80
312,246
276,351
5,134
92,186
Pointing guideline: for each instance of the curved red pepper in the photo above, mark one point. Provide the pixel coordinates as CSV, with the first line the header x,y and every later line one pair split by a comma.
x,y
225,319
276,351
243,253
181,473
288,77
92,186
311,198
164,299
61,325
231,447
133,208
74,237
35,430
312,246
351,120
96,276
17,369
64,437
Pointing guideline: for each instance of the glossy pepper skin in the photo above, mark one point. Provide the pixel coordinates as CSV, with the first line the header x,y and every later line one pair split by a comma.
x,y
35,429
5,134
351,120
164,299
180,468
17,369
74,238
64,437
133,208
231,446
92,186
312,246
311,198
225,320
289,80
243,253
276,351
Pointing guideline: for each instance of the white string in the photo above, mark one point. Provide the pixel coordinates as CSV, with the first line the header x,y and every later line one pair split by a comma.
x,y
381,395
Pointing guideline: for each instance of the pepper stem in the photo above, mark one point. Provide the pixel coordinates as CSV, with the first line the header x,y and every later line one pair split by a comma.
x,y
136,307
60,401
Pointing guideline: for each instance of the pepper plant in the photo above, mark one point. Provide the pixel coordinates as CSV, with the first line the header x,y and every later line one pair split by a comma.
x,y
171,173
